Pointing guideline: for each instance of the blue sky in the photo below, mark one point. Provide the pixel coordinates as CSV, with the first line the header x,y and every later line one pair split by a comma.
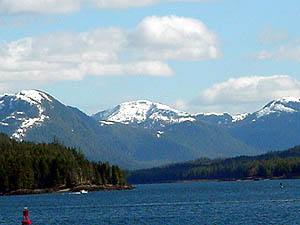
x,y
197,56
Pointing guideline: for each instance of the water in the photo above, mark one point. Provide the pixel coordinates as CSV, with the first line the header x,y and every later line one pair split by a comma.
x,y
247,202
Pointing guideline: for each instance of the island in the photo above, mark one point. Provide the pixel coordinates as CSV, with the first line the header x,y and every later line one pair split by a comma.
x,y
35,168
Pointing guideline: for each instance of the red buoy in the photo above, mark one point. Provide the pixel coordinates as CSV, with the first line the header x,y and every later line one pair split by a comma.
x,y
26,219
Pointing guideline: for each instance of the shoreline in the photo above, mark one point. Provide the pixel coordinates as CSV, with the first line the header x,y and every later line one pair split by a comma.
x,y
224,180
63,189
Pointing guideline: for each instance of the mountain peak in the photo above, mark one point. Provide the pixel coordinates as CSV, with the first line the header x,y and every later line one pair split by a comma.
x,y
23,111
33,96
146,104
288,99
143,111
281,105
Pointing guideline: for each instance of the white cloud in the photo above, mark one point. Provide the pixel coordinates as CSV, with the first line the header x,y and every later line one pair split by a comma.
x,y
285,52
245,94
174,38
72,56
180,104
154,68
39,6
143,50
279,46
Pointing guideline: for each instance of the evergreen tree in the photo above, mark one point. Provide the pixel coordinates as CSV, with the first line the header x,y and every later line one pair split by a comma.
x,y
26,165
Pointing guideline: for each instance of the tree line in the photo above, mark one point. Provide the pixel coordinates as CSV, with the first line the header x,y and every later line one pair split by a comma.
x,y
282,164
27,165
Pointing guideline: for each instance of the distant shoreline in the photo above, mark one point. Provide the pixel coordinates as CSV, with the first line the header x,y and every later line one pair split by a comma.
x,y
223,180
89,188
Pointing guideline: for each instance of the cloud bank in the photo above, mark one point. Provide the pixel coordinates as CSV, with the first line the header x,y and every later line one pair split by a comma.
x,y
245,94
143,50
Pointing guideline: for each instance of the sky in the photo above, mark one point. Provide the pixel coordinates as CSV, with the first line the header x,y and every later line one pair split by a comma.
x,y
194,55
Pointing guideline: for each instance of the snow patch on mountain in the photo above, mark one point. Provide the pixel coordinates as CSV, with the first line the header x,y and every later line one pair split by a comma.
x,y
239,117
183,119
29,122
208,114
2,105
159,133
105,123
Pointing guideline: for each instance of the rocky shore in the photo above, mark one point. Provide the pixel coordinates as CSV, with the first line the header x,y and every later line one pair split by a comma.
x,y
76,189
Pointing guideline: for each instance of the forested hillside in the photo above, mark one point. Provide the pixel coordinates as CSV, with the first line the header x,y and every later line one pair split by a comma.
x,y
26,165
284,164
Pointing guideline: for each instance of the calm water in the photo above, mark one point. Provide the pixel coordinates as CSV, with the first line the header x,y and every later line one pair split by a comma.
x,y
248,202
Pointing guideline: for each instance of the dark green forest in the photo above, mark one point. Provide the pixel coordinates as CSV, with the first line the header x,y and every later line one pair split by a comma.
x,y
27,165
279,164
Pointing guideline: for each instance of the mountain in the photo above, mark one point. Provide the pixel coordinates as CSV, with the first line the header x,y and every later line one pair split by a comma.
x,y
143,113
20,112
36,116
196,132
274,127
144,134
206,139
153,115
285,105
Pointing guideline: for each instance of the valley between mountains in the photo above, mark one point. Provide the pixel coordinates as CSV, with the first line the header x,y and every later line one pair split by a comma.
x,y
144,134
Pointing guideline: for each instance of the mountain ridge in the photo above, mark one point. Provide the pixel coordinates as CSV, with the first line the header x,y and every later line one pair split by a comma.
x,y
273,127
125,145
157,136
135,112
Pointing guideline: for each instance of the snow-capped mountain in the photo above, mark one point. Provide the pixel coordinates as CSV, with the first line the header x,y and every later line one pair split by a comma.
x,y
152,115
171,135
36,116
274,127
279,106
285,107
144,113
22,111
